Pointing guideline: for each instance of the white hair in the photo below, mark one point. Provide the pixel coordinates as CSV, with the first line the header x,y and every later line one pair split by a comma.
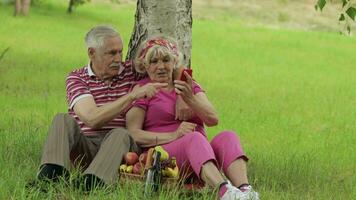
x,y
141,63
96,37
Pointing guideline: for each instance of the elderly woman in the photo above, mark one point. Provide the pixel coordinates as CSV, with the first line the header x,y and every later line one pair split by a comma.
x,y
151,121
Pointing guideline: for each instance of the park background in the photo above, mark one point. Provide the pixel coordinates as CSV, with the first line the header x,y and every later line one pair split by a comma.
x,y
278,72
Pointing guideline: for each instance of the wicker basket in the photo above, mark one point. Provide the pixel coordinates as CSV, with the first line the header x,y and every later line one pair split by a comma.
x,y
136,177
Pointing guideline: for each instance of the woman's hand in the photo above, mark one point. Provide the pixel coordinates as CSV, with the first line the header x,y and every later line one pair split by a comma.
x,y
184,89
184,128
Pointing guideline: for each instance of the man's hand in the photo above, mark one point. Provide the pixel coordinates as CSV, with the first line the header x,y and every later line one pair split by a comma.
x,y
147,91
184,128
183,111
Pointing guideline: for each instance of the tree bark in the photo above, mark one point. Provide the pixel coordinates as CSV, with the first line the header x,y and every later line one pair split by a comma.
x,y
18,6
26,7
171,18
22,7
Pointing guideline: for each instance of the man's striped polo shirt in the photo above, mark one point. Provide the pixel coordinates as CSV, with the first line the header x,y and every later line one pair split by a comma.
x,y
83,82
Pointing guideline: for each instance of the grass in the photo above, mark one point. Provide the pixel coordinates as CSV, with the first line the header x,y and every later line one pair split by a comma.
x,y
290,95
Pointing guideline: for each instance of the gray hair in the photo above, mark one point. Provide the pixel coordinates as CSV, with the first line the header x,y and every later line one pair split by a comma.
x,y
95,38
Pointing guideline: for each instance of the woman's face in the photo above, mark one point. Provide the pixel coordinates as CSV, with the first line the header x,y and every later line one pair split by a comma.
x,y
160,68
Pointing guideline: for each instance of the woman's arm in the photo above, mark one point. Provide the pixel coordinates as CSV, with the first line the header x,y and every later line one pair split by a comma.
x,y
199,102
134,122
203,109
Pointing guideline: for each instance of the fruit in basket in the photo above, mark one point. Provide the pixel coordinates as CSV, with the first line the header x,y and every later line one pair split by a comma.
x,y
123,168
129,169
164,153
142,159
170,173
174,161
165,172
170,168
137,168
171,162
131,158
149,159
173,172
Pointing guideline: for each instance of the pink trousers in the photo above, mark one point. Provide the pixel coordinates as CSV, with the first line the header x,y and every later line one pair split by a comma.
x,y
194,149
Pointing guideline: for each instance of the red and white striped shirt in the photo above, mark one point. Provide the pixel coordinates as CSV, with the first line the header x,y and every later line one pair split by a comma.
x,y
82,82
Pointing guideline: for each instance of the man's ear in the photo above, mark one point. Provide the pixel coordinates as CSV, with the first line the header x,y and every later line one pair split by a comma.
x,y
91,52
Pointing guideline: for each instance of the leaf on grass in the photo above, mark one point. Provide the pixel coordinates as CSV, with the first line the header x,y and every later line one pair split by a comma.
x,y
351,12
342,17
321,4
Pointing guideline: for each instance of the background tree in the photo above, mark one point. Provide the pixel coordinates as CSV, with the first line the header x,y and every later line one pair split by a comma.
x,y
170,18
74,3
22,7
348,11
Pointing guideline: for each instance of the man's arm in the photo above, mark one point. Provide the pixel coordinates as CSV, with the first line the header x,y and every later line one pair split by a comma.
x,y
95,117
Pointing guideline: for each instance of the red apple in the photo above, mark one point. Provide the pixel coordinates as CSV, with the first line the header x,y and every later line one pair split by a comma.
x,y
143,157
137,168
131,158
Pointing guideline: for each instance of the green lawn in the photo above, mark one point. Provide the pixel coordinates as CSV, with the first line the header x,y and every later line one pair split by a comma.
x,y
291,96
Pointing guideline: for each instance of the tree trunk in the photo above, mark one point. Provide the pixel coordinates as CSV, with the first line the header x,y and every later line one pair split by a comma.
x,y
26,7
171,18
22,7
70,6
18,6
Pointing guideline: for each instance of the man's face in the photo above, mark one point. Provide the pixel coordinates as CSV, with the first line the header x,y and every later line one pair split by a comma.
x,y
106,60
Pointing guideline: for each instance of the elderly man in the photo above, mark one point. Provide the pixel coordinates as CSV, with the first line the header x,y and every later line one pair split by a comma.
x,y
93,130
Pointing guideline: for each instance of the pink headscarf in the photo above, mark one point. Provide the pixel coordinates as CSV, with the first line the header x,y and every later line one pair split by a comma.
x,y
160,42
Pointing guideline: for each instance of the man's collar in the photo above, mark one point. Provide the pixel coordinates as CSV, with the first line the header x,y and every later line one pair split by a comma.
x,y
91,72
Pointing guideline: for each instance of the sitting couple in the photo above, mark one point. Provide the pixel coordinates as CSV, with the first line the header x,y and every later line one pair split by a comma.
x,y
98,96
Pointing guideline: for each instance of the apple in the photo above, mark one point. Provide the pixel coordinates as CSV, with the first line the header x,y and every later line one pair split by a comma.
x,y
137,168
131,158
143,157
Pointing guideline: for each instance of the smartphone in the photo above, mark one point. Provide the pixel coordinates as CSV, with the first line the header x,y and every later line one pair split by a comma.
x,y
182,76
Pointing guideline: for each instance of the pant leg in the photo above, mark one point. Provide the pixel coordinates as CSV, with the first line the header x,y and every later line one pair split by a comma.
x,y
63,134
193,149
227,148
106,162
84,152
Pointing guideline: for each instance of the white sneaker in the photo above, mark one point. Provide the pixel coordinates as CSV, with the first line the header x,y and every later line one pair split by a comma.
x,y
233,193
250,193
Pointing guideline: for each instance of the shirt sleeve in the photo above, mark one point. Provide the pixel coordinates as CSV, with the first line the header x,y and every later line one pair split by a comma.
x,y
76,89
141,103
